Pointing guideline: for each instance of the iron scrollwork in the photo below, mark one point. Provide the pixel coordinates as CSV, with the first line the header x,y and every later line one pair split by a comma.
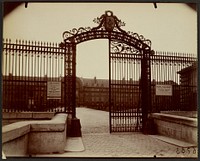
x,y
120,47
140,37
74,32
107,23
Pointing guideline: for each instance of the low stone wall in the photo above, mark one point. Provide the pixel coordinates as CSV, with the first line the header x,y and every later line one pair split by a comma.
x,y
12,117
178,127
35,137
15,139
191,114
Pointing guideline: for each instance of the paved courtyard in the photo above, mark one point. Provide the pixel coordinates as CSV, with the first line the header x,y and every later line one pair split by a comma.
x,y
98,142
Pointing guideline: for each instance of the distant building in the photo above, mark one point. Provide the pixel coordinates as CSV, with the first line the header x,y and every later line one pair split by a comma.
x,y
94,93
30,93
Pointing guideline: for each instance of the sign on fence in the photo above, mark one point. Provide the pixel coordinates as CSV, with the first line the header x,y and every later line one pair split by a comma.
x,y
164,90
53,90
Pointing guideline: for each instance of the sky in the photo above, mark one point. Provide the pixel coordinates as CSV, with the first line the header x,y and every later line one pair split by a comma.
x,y
170,27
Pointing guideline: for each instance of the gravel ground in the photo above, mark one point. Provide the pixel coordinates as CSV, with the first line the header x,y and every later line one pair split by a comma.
x,y
98,142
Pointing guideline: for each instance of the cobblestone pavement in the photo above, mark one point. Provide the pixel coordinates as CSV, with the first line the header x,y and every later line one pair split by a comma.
x,y
98,142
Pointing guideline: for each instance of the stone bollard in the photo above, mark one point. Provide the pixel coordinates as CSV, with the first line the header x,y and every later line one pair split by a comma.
x,y
75,129
150,127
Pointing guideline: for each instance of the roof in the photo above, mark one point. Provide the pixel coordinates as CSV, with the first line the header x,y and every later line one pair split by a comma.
x,y
95,82
188,69
102,82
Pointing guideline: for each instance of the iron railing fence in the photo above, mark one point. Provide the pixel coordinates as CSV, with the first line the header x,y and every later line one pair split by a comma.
x,y
27,67
177,72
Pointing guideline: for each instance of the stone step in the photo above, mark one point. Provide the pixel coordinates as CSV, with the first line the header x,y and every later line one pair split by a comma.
x,y
173,141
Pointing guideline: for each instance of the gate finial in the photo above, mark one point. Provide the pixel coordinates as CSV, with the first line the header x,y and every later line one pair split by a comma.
x,y
108,22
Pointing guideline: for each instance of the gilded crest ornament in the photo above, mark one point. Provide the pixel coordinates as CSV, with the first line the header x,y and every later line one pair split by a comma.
x,y
109,23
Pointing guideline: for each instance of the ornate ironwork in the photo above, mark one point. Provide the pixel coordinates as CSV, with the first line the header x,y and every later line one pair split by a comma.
x,y
74,32
108,22
140,37
109,27
124,46
121,47
124,92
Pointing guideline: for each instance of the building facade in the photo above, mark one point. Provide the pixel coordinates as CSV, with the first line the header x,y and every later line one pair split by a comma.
x,y
29,94
188,87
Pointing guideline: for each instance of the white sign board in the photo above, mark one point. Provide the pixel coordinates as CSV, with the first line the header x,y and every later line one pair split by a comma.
x,y
53,90
164,90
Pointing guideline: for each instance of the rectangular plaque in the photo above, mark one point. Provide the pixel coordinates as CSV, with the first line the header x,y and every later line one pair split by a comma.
x,y
53,90
164,90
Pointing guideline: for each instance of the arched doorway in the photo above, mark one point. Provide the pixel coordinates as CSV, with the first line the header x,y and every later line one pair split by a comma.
x,y
129,72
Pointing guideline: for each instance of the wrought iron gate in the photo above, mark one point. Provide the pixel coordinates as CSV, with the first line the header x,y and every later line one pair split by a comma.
x,y
125,92
134,72
125,49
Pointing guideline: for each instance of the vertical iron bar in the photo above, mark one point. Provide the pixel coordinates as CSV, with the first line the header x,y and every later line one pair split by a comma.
x,y
62,68
11,74
47,74
34,77
15,99
26,68
22,82
5,77
110,99
73,80
28,74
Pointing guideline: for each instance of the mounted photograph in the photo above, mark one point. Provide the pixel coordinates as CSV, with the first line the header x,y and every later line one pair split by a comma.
x,y
99,80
